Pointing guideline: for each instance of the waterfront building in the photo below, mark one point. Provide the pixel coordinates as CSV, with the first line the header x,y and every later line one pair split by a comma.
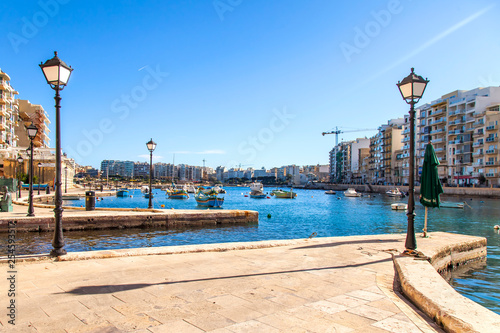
x,y
141,170
359,149
118,168
219,173
391,142
32,113
8,112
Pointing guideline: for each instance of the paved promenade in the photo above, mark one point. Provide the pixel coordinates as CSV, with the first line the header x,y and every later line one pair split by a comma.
x,y
343,284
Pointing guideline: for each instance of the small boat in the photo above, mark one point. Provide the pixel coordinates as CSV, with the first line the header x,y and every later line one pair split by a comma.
x,y
447,204
123,192
177,193
190,188
330,192
399,206
395,193
280,194
146,195
144,189
218,188
257,191
350,192
208,198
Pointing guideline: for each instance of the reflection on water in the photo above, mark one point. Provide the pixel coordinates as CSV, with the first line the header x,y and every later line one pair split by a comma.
x,y
312,211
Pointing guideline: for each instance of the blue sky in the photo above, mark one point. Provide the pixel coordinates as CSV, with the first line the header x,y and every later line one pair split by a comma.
x,y
238,81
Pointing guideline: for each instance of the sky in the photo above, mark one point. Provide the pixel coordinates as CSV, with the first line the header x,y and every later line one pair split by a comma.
x,y
239,82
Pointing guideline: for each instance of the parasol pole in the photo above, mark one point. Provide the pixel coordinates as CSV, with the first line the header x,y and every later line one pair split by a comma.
x,y
425,223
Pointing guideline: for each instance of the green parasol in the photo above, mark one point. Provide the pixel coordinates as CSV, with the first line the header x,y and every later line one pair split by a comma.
x,y
430,186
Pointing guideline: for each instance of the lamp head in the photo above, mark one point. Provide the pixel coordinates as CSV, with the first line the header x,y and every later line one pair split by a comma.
x,y
412,87
151,145
56,72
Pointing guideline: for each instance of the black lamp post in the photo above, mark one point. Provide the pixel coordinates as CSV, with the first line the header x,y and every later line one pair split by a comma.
x,y
32,131
65,179
39,166
151,147
20,161
412,88
57,74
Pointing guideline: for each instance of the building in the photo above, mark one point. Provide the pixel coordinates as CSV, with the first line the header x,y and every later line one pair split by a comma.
x,y
8,112
32,114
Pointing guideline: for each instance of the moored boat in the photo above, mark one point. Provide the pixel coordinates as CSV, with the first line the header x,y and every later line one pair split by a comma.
x,y
208,198
330,192
399,206
395,193
350,192
447,204
280,194
257,191
123,192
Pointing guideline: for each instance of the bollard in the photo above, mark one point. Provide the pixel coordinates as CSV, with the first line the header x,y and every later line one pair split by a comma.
x,y
90,200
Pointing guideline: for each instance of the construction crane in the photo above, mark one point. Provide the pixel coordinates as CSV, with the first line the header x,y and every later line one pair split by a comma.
x,y
337,132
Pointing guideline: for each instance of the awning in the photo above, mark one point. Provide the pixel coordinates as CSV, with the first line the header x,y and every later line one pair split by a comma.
x,y
463,177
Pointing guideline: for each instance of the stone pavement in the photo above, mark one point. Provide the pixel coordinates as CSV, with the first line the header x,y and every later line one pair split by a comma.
x,y
341,284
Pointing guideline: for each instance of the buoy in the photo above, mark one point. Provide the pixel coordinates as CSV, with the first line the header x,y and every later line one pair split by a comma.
x,y
338,198
268,197
496,227
268,216
162,206
312,196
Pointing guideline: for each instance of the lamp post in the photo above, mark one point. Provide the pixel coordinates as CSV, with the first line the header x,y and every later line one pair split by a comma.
x,y
65,179
32,131
57,74
411,88
20,161
39,167
151,147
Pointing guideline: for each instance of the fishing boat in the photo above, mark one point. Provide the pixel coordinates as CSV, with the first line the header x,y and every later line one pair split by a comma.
x,y
144,189
178,193
123,192
447,204
208,198
257,191
330,192
395,193
190,188
280,194
350,192
399,206
146,195
218,188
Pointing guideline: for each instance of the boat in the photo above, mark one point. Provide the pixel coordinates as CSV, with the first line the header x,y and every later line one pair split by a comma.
x,y
218,188
208,198
280,194
395,193
178,193
144,189
146,195
257,191
330,192
190,188
399,206
350,192
448,204
123,192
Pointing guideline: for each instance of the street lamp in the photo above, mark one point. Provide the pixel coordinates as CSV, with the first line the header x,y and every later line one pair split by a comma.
x,y
151,147
65,179
57,74
32,131
412,88
20,161
39,166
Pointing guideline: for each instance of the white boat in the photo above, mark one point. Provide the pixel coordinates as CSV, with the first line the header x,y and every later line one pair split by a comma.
x,y
257,187
190,188
395,193
350,192
399,206
330,192
447,204
144,189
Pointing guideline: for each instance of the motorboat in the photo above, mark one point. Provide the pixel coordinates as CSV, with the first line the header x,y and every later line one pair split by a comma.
x,y
145,189
280,194
447,204
330,192
257,191
395,193
208,198
399,206
190,188
350,192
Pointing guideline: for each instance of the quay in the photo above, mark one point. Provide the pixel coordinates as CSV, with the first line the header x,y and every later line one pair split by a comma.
x,y
334,284
77,218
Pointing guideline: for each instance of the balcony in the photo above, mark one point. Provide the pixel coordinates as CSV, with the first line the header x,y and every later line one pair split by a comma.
x,y
437,150
491,139
491,174
478,123
490,163
478,153
437,131
456,142
437,121
478,163
491,151
491,127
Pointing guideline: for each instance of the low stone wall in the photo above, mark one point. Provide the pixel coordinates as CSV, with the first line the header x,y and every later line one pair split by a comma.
x,y
119,219
424,286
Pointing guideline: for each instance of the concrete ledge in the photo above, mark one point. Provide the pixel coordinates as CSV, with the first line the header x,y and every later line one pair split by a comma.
x,y
130,218
424,286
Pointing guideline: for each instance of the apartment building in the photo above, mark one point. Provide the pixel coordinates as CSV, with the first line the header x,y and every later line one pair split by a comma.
x,y
28,114
8,112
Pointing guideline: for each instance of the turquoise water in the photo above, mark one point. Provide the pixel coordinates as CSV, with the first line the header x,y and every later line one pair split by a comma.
x,y
311,212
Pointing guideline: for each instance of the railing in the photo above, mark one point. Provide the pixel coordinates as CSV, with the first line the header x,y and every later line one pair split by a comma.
x,y
491,127
491,139
490,174
477,153
491,151
490,163
477,144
